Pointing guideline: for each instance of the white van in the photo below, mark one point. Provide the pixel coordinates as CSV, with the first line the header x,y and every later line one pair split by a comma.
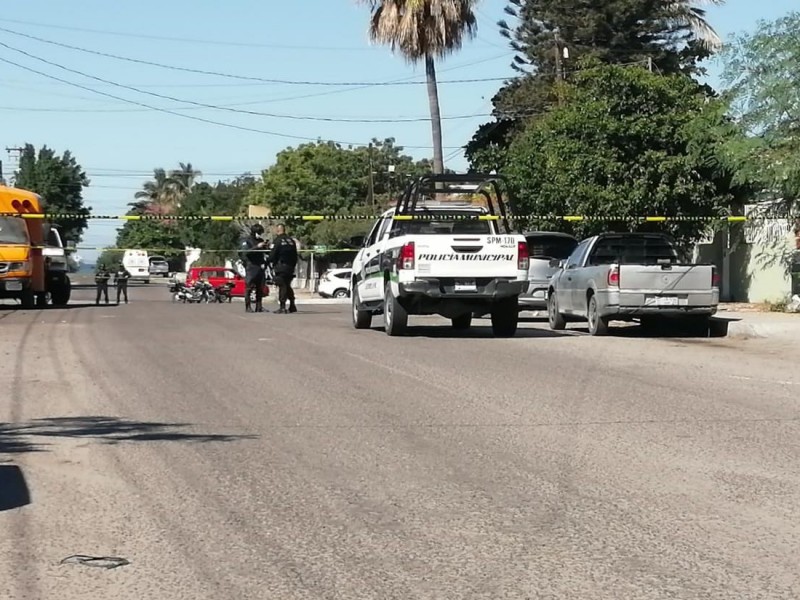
x,y
138,265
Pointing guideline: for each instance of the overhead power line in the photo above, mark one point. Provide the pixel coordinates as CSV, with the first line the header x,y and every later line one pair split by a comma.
x,y
161,109
246,77
204,42
271,115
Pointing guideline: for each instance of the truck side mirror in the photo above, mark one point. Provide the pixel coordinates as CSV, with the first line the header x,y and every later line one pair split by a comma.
x,y
556,263
70,244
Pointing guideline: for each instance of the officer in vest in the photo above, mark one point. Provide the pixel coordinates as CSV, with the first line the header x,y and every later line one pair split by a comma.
x,y
254,254
121,278
101,278
283,257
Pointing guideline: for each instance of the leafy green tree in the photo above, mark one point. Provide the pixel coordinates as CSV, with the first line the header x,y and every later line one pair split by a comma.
x,y
424,30
171,237
327,178
60,181
627,143
219,239
763,80
552,38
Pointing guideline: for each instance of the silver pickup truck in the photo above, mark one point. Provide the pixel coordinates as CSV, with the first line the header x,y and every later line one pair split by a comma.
x,y
630,276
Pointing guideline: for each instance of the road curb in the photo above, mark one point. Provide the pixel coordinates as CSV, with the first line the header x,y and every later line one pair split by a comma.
x,y
740,327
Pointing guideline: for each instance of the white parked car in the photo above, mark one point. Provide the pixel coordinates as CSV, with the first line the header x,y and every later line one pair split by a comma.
x,y
335,283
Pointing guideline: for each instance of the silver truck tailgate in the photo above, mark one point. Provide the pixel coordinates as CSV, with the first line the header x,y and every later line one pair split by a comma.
x,y
667,286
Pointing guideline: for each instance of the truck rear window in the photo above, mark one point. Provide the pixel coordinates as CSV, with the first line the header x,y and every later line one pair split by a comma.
x,y
632,251
444,225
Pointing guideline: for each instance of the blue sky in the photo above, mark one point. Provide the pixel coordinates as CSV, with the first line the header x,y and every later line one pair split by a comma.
x,y
119,143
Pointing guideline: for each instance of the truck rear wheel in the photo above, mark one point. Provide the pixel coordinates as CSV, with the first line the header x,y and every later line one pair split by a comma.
x,y
395,317
505,317
597,325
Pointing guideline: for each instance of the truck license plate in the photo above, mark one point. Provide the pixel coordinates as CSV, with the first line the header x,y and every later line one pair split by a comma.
x,y
14,286
464,285
665,300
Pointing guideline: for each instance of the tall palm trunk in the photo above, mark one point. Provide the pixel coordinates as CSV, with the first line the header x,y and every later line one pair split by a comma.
x,y
436,116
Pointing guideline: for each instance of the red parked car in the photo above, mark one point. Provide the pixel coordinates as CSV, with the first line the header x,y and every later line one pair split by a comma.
x,y
217,276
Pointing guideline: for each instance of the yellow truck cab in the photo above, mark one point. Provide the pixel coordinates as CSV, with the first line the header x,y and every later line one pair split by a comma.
x,y
24,273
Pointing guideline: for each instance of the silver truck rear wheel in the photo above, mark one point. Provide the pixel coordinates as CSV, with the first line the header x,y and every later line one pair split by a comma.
x,y
555,319
597,325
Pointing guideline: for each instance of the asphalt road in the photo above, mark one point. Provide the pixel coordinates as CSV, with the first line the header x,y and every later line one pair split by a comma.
x,y
227,455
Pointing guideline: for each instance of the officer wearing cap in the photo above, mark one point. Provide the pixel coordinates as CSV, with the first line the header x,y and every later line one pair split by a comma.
x,y
253,252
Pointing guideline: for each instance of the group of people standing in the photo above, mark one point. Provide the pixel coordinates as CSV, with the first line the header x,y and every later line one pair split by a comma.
x,y
256,253
102,279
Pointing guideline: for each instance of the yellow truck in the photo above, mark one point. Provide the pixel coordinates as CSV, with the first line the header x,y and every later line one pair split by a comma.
x,y
33,268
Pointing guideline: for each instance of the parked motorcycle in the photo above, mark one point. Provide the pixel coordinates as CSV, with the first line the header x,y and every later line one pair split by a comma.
x,y
222,293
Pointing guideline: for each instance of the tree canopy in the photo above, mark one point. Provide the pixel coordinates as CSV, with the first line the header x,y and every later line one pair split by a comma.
x,y
170,238
60,181
763,80
625,143
554,39
325,177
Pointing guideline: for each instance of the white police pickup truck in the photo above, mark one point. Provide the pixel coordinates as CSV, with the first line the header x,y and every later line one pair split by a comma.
x,y
429,255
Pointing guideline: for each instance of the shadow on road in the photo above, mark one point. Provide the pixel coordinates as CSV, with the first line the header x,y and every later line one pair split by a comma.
x,y
474,332
14,491
6,308
718,329
22,437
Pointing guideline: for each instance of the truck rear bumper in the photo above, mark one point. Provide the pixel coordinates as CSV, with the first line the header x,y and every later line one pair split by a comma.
x,y
658,311
634,303
535,297
445,288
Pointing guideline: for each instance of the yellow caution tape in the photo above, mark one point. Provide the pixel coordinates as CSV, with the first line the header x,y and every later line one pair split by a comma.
x,y
400,217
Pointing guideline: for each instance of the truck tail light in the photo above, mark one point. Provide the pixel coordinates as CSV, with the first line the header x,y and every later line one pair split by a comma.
x,y
523,256
613,276
405,259
24,206
715,277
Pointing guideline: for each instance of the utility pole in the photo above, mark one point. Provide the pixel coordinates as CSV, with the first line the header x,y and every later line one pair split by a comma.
x,y
560,51
371,179
559,72
14,155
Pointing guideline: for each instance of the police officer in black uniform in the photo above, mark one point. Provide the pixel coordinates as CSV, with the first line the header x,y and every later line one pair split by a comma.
x,y
121,278
253,252
283,258
101,278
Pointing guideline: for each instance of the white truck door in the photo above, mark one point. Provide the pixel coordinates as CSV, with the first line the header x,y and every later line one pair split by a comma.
x,y
361,261
372,257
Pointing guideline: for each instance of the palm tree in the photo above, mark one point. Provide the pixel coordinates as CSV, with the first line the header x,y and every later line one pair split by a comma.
x,y
184,180
424,30
684,12
164,193
155,197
